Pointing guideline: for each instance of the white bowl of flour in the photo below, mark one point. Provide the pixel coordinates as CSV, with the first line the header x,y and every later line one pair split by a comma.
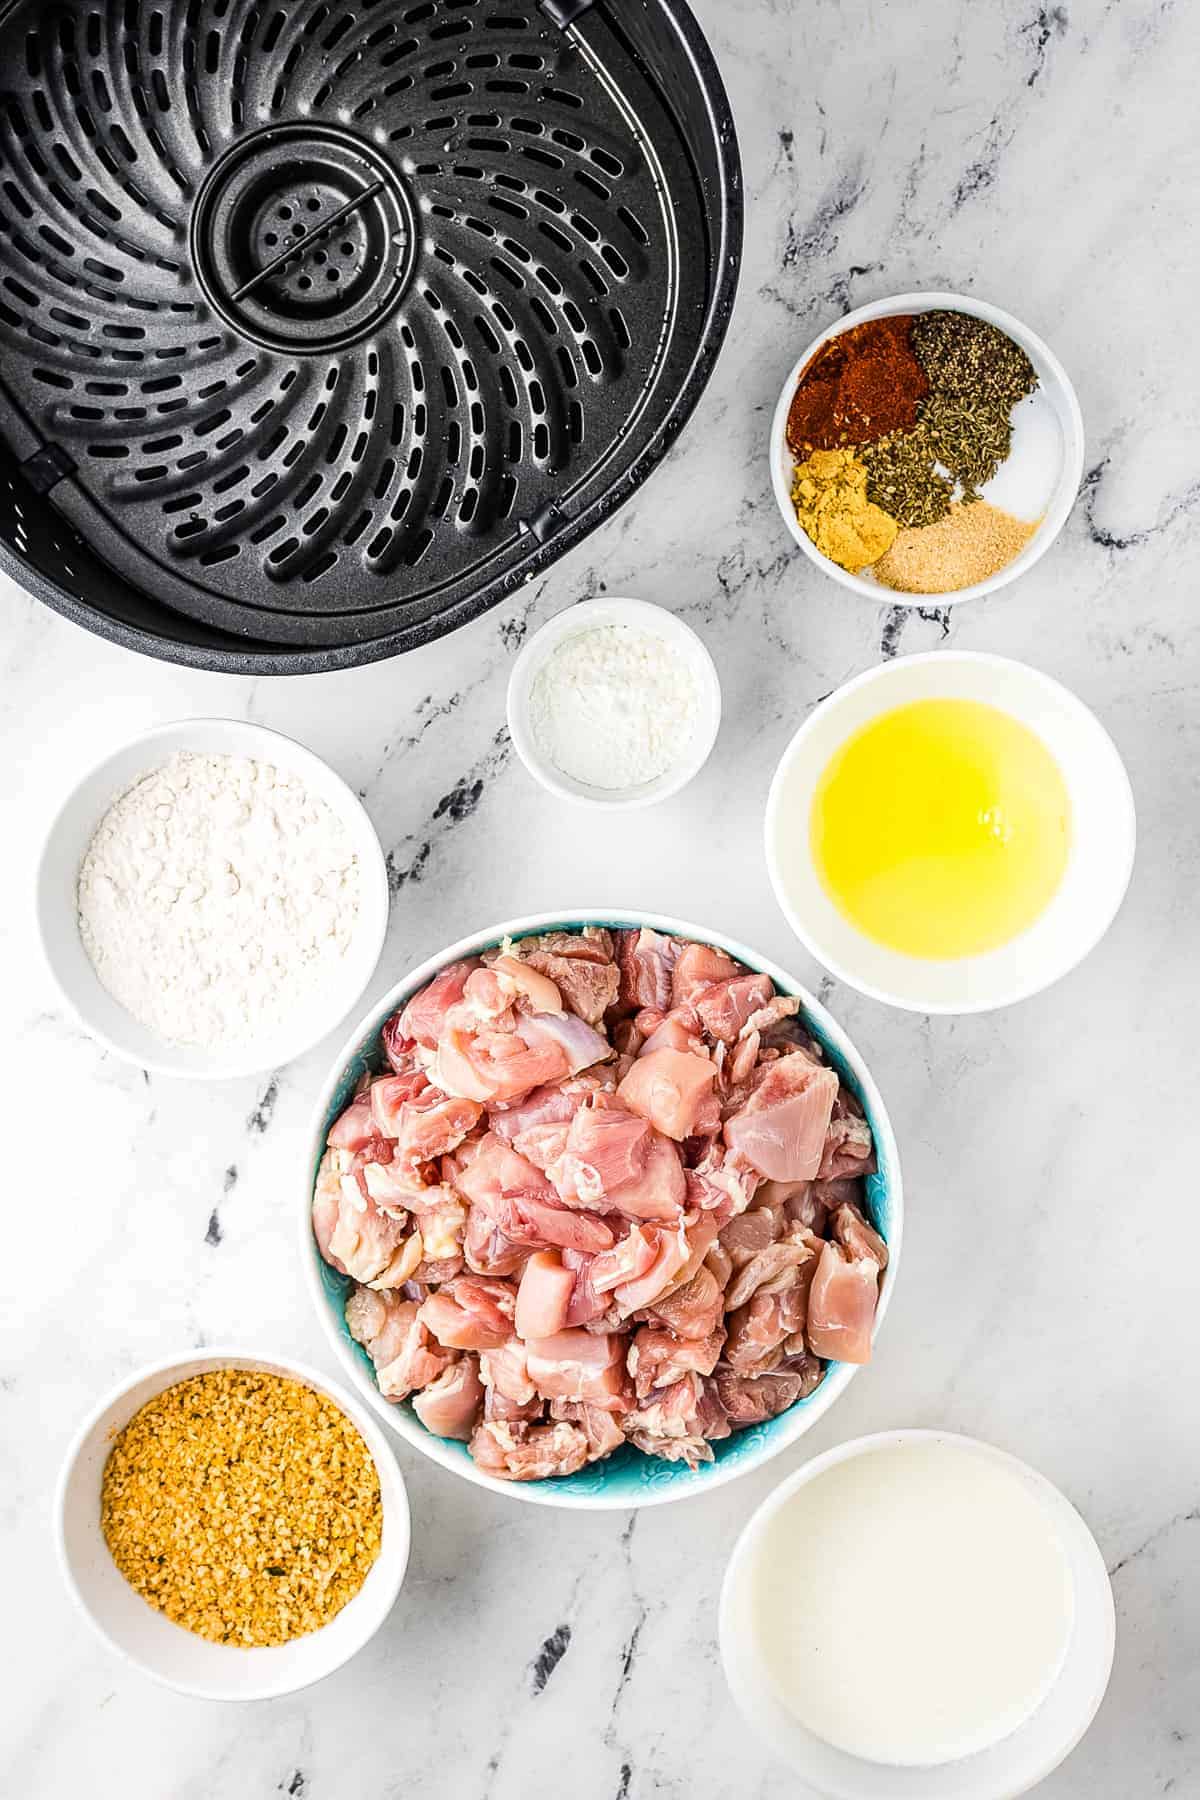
x,y
614,703
212,899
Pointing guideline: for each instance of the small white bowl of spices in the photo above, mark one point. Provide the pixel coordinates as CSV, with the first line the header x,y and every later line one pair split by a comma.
x,y
926,447
212,899
235,1526
614,703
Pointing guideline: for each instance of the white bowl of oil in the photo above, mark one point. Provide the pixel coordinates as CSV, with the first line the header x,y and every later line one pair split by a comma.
x,y
950,832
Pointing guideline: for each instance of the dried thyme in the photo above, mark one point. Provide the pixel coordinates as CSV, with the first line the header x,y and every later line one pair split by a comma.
x,y
902,479
244,1506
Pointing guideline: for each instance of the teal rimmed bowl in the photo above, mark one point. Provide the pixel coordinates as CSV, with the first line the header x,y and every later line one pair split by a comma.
x,y
628,1478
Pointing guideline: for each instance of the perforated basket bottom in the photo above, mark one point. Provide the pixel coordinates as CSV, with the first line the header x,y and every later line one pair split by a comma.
x,y
312,320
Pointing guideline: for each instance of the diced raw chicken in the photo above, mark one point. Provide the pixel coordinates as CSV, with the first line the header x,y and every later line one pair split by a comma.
x,y
669,1423
672,1253
353,1234
506,1369
750,1232
542,1145
593,944
697,967
424,1122
781,1129
531,1221
760,1331
580,1365
658,1358
738,1073
398,1049
857,1238
749,1399
648,1253
677,1030
669,1087
355,1128
518,980
487,1250
528,1452
659,1191
837,1192
606,1149
768,1302
474,1312
450,1406
380,1322
723,1010
653,1237
586,1305
404,1354
491,1065
423,1020
498,1406
771,1024
719,1265
841,1305
442,1218
849,1146
765,1269
522,1204
544,1296
387,1095
694,1309
556,1104
645,960
603,1433
722,1183
578,1042
581,967
495,1170
395,1187
615,1161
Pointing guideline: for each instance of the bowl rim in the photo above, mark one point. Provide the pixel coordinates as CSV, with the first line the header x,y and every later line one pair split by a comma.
x,y
170,736
881,672
549,1492
1062,501
174,1369
556,630
753,1703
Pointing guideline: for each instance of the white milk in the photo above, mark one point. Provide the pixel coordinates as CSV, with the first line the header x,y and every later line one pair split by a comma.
x,y
912,1604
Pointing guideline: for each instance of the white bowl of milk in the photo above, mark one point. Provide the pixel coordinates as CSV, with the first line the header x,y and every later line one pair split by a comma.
x,y
915,1616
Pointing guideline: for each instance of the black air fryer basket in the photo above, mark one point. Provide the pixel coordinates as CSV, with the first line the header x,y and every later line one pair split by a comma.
x,y
324,324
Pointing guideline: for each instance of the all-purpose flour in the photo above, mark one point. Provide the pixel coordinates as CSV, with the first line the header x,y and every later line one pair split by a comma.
x,y
613,706
216,895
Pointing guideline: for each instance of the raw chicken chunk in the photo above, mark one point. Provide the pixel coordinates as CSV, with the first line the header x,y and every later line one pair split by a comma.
x,y
451,1405
781,1129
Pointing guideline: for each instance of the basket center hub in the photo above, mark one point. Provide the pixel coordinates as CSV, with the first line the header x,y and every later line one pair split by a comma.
x,y
303,237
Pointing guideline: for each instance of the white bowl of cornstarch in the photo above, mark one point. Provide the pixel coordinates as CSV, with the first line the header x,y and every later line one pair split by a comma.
x,y
614,703
212,899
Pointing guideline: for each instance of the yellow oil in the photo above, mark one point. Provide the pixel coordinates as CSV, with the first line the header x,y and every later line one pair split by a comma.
x,y
942,828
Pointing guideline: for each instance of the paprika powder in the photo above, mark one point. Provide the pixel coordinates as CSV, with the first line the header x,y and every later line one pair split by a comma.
x,y
861,385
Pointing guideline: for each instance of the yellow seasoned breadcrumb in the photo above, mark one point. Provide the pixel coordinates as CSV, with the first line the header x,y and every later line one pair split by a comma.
x,y
243,1505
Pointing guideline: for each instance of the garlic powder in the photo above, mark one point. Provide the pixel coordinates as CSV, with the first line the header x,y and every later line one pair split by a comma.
x,y
216,897
614,707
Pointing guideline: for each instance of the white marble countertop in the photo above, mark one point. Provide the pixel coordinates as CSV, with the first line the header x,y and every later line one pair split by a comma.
x,y
1046,159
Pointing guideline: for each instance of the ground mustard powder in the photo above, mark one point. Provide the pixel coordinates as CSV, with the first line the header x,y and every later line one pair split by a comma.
x,y
829,493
